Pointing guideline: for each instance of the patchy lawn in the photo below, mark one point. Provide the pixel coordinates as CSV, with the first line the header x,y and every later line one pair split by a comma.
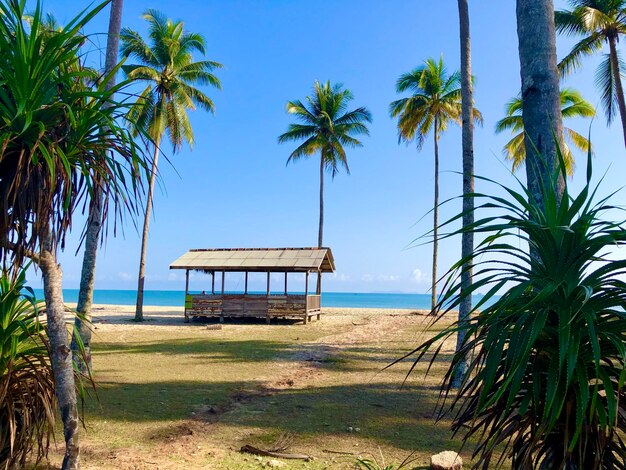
x,y
173,395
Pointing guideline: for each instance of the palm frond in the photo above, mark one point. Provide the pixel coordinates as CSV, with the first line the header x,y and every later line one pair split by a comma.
x,y
326,125
605,82
585,47
169,65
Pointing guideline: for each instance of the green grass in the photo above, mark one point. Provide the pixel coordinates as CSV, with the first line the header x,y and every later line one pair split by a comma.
x,y
191,397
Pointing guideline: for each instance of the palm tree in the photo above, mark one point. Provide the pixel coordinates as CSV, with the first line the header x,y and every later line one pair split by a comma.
x,y
92,232
599,22
171,75
62,139
467,143
434,103
572,105
541,106
326,128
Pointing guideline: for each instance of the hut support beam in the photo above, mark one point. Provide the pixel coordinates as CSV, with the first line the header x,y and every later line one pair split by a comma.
x,y
222,312
285,283
213,282
186,294
267,319
306,297
319,291
246,284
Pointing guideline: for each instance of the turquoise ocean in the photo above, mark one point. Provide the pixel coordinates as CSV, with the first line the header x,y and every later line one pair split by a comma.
x,y
169,298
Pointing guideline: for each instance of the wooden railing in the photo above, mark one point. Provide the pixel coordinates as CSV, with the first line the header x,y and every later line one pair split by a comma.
x,y
313,302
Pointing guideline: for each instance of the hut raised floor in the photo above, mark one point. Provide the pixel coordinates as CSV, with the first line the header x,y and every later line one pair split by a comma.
x,y
266,305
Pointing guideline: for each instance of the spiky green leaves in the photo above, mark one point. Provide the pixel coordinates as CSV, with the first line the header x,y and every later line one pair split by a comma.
x,y
62,132
27,401
546,377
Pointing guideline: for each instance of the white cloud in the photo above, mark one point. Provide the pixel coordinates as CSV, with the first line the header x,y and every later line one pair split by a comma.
x,y
380,278
340,277
417,276
124,276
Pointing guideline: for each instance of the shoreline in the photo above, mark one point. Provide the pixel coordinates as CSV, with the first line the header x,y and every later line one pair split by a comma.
x,y
121,316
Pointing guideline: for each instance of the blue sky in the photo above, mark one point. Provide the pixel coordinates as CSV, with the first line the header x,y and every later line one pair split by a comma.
x,y
234,190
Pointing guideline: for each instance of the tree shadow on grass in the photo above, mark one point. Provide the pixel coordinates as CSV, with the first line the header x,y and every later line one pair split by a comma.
x,y
212,349
382,412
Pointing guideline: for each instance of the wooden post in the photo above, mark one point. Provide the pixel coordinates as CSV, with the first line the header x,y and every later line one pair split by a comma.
x,y
222,311
186,293
306,297
213,282
319,291
246,284
285,283
267,320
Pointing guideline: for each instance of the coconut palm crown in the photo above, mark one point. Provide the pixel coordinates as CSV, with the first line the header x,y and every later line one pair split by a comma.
x,y
434,103
573,105
171,76
326,127
598,23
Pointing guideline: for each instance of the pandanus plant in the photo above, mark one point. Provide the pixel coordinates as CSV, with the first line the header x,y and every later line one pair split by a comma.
x,y
27,400
547,358
64,139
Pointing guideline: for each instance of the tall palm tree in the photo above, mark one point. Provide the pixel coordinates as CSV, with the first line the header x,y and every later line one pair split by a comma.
x,y
326,128
467,143
541,105
434,103
62,139
92,232
167,67
599,22
572,105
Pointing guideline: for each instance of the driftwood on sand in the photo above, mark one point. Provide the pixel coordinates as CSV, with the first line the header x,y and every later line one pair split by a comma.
x,y
268,453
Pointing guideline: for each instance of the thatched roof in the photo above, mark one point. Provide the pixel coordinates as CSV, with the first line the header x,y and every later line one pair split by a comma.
x,y
257,260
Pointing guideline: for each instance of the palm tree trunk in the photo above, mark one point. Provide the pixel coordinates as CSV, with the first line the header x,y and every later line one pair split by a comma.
x,y
144,237
540,93
94,221
320,235
467,238
619,90
87,279
60,353
433,301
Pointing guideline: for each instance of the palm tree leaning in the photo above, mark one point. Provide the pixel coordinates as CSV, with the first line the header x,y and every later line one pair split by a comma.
x,y
599,22
92,232
434,103
326,128
171,75
573,105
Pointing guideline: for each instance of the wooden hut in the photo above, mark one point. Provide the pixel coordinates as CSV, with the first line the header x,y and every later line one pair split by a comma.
x,y
302,305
